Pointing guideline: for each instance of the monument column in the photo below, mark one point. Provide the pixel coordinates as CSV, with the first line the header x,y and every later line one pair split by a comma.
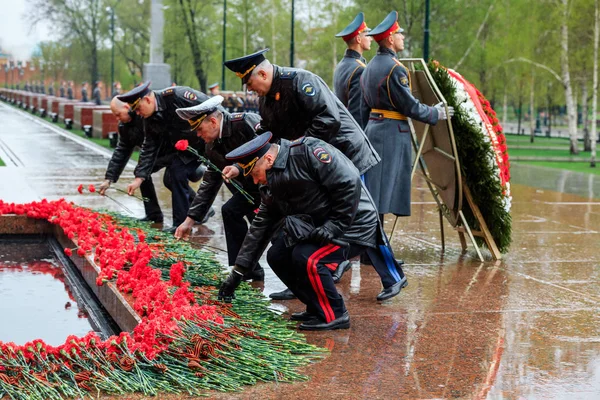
x,y
156,70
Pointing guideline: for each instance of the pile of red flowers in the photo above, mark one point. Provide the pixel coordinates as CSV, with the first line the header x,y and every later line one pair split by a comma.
x,y
160,304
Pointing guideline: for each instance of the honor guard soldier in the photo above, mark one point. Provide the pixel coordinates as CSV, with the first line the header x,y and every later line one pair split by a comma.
x,y
214,89
346,78
84,92
97,93
131,135
51,88
70,91
223,132
61,90
42,87
165,128
315,194
387,105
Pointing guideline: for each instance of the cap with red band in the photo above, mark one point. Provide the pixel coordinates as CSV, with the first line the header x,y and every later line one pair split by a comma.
x,y
387,27
355,28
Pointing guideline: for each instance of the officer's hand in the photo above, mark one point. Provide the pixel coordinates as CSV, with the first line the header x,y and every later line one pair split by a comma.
x,y
183,230
227,290
321,235
230,172
442,111
133,186
103,186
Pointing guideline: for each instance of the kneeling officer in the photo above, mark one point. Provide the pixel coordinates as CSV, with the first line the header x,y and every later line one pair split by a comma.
x,y
318,214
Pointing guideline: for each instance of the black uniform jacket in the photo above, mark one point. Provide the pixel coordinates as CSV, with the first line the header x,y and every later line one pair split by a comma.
x,y
165,128
299,103
131,134
238,129
346,82
310,177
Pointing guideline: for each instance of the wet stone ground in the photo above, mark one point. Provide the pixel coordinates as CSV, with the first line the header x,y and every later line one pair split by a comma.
x,y
526,327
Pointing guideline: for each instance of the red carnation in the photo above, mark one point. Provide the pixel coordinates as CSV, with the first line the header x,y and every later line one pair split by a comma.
x,y
91,188
80,189
69,252
182,145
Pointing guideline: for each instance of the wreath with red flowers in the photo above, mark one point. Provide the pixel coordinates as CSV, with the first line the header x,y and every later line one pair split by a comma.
x,y
186,341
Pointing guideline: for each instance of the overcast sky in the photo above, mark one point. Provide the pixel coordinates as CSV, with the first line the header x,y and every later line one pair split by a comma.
x,y
14,29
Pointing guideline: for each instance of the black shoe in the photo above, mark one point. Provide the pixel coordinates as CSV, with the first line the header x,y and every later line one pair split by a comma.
x,y
209,213
303,316
342,322
393,290
256,275
153,218
169,229
287,294
340,270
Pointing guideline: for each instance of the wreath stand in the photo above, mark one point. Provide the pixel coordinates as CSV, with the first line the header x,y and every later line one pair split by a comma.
x,y
445,184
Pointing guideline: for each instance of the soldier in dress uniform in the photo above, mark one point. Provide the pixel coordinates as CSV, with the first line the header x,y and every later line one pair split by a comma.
x,y
42,87
97,93
214,89
223,132
165,128
51,88
70,93
315,193
84,92
346,78
62,89
387,105
131,135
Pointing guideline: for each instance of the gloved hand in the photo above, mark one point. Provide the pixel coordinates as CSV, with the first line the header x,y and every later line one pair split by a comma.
x,y
321,235
227,290
442,111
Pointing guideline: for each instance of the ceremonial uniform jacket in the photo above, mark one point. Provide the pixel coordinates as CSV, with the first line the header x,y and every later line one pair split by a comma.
x,y
299,104
131,134
84,97
97,96
311,177
51,90
70,93
238,128
346,82
385,86
61,91
165,128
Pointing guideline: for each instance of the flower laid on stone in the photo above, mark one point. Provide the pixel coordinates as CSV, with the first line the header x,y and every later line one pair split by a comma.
x,y
187,341
184,145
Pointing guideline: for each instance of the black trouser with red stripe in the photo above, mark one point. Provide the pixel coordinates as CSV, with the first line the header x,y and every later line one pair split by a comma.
x,y
306,270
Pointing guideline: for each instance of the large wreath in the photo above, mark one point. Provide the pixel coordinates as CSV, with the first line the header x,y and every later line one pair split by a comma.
x,y
482,152
187,341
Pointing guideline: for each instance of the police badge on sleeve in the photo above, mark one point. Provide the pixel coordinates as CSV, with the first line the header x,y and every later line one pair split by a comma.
x,y
322,155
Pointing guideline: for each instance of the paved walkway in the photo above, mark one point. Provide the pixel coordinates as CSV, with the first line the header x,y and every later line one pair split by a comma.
x,y
524,328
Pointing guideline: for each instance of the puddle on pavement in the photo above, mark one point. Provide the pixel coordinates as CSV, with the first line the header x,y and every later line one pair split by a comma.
x,y
36,300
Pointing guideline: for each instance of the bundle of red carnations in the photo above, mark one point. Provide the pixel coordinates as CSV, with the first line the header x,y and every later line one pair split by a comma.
x,y
187,341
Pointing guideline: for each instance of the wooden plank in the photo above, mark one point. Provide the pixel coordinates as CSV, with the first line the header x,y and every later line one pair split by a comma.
x,y
487,236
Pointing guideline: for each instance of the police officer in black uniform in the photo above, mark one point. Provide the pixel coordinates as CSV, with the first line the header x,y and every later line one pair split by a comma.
x,y
165,128
387,105
346,77
131,135
316,195
223,132
294,103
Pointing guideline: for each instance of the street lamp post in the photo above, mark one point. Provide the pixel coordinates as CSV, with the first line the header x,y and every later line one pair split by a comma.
x,y
112,50
224,44
292,40
426,33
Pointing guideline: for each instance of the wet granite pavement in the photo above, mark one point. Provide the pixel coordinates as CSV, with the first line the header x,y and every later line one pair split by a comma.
x,y
526,327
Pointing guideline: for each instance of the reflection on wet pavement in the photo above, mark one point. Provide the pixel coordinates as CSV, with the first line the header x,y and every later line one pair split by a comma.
x,y
525,327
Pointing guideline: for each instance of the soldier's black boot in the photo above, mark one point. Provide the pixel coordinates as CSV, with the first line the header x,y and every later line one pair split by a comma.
x,y
340,270
393,290
286,294
152,218
342,322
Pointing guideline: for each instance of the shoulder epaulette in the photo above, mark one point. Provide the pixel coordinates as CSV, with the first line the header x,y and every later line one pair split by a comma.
x,y
362,64
237,116
167,92
287,74
297,142
397,62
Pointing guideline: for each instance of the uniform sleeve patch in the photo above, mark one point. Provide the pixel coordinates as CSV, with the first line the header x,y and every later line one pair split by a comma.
x,y
322,155
404,81
308,89
298,141
190,95
257,126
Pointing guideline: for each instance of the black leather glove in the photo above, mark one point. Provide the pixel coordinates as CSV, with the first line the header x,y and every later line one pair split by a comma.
x,y
227,290
321,235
